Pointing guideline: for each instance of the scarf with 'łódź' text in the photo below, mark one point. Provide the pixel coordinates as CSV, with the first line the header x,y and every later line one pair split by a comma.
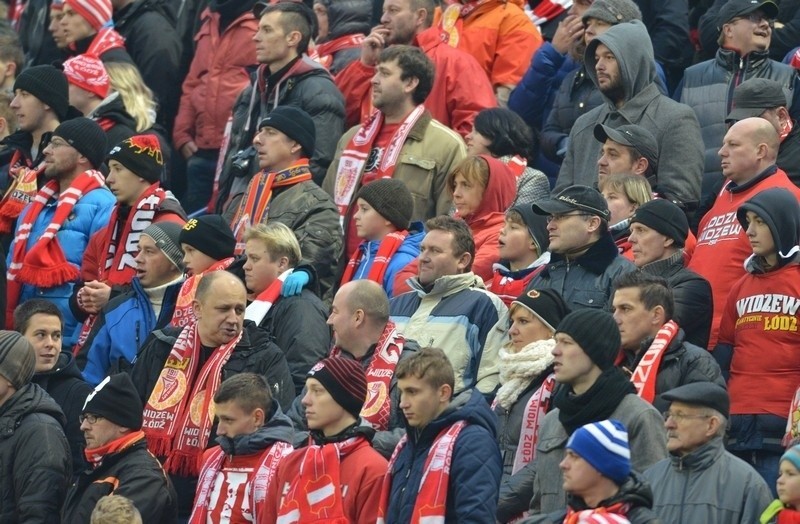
x,y
95,456
431,502
184,313
386,250
20,192
644,376
254,207
614,514
177,416
379,374
44,265
355,154
597,403
260,481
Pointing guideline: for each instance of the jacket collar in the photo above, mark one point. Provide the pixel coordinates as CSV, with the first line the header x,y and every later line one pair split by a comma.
x,y
418,130
700,459
731,60
738,188
667,266
599,256
448,285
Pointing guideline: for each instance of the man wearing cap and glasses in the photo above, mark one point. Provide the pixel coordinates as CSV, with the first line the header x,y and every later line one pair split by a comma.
x,y
745,31
628,149
584,261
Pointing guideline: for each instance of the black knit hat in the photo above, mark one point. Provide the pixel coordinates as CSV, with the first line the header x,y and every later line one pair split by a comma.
x,y
49,85
17,358
665,217
344,380
85,135
116,400
546,304
211,235
391,199
140,154
294,123
596,332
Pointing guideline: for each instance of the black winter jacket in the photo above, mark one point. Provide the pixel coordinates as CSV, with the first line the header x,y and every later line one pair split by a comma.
x,y
113,110
34,458
133,473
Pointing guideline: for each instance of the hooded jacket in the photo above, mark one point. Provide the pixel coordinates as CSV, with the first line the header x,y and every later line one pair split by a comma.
x,y
673,125
405,255
34,458
345,18
115,120
475,467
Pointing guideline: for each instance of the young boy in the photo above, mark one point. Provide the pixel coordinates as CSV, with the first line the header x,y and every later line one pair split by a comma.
x,y
382,219
523,252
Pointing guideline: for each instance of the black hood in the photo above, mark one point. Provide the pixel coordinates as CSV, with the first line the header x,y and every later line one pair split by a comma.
x,y
348,17
65,367
779,208
27,400
114,109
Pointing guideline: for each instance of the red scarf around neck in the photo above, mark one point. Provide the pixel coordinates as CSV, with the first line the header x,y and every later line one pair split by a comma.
x,y
614,514
184,313
95,456
106,39
326,50
644,376
386,250
20,192
259,307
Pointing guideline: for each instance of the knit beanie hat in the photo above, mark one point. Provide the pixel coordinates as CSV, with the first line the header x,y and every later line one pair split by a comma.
x,y
613,11
96,12
117,400
294,123
546,304
88,73
664,217
141,154
604,445
211,235
792,455
391,199
166,235
85,135
48,84
344,379
17,358
596,332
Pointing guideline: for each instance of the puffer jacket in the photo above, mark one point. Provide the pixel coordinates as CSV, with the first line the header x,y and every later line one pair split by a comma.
x,y
65,384
475,467
708,87
34,458
708,485
405,255
673,125
588,280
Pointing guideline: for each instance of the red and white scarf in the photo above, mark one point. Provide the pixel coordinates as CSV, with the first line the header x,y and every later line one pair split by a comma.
x,y
45,265
386,250
95,456
547,10
257,485
326,50
105,40
315,493
355,154
178,424
20,192
644,376
184,313
259,307
614,514
254,206
535,410
380,371
431,502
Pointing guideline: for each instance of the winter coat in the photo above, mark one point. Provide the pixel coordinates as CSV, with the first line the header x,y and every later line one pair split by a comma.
x,y
708,87
34,458
674,125
789,154
667,22
456,315
297,324
115,54
35,37
132,473
118,124
708,485
65,384
405,255
475,466
90,214
588,280
121,327
218,73
148,27
508,285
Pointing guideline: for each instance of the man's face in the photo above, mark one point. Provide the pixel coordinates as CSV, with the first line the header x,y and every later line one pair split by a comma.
x,y
436,257
647,244
615,159
322,20
153,268
738,155
760,236
515,241
44,334
275,149
124,183
401,21
634,320
260,270
272,42
74,26
748,33
195,260
342,319
421,402
568,231
369,223
687,428
100,433
56,29
388,89
609,79
571,363
234,421
322,411
594,28
579,476
60,158
220,316
29,110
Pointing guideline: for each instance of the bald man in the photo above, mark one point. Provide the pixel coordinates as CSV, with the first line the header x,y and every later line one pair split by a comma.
x,y
179,369
748,155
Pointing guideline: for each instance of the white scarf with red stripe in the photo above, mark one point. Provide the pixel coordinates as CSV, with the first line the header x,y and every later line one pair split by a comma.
x,y
644,376
258,308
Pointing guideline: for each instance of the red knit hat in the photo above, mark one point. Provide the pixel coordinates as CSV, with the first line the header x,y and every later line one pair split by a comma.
x,y
88,73
344,380
96,12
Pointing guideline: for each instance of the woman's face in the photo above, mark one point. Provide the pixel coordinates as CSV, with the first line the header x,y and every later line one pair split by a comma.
x,y
526,328
477,144
466,195
619,205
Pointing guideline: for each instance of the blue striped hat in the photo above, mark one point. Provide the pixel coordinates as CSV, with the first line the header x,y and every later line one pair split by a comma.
x,y
604,445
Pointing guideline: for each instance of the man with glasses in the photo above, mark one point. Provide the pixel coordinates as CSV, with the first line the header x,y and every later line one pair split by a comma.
x,y
700,481
745,31
584,260
119,462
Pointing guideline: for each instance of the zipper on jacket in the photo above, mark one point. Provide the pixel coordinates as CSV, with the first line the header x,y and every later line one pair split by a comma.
x,y
685,486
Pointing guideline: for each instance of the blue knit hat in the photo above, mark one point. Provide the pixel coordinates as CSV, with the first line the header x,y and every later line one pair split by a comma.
x,y
792,455
604,445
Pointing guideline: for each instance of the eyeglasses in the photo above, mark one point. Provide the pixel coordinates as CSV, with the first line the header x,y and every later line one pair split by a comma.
x,y
91,419
57,142
756,18
677,417
559,218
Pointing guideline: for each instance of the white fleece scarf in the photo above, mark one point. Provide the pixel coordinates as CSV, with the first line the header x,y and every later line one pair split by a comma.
x,y
517,370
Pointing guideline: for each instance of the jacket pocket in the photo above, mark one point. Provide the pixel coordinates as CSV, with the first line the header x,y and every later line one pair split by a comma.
x,y
590,299
418,173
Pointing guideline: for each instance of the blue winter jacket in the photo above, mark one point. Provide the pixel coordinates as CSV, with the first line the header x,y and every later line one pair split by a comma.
x,y
122,327
90,214
475,468
407,253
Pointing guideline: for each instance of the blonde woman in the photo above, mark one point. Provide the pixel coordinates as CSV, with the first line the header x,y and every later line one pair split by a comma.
x,y
624,194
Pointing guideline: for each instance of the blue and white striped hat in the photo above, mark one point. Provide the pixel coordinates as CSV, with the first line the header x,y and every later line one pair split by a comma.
x,y
604,445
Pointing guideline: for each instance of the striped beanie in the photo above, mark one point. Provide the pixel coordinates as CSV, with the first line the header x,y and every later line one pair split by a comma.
x,y
96,12
17,360
604,445
344,379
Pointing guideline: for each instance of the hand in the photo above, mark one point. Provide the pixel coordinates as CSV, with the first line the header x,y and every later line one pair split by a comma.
x,y
373,44
94,295
295,283
188,149
569,30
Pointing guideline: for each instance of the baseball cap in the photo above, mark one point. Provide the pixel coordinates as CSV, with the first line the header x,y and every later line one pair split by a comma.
x,y
580,198
633,136
752,97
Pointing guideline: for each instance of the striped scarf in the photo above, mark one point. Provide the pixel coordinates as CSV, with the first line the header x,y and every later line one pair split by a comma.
x,y
377,271
20,192
259,307
614,514
644,376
